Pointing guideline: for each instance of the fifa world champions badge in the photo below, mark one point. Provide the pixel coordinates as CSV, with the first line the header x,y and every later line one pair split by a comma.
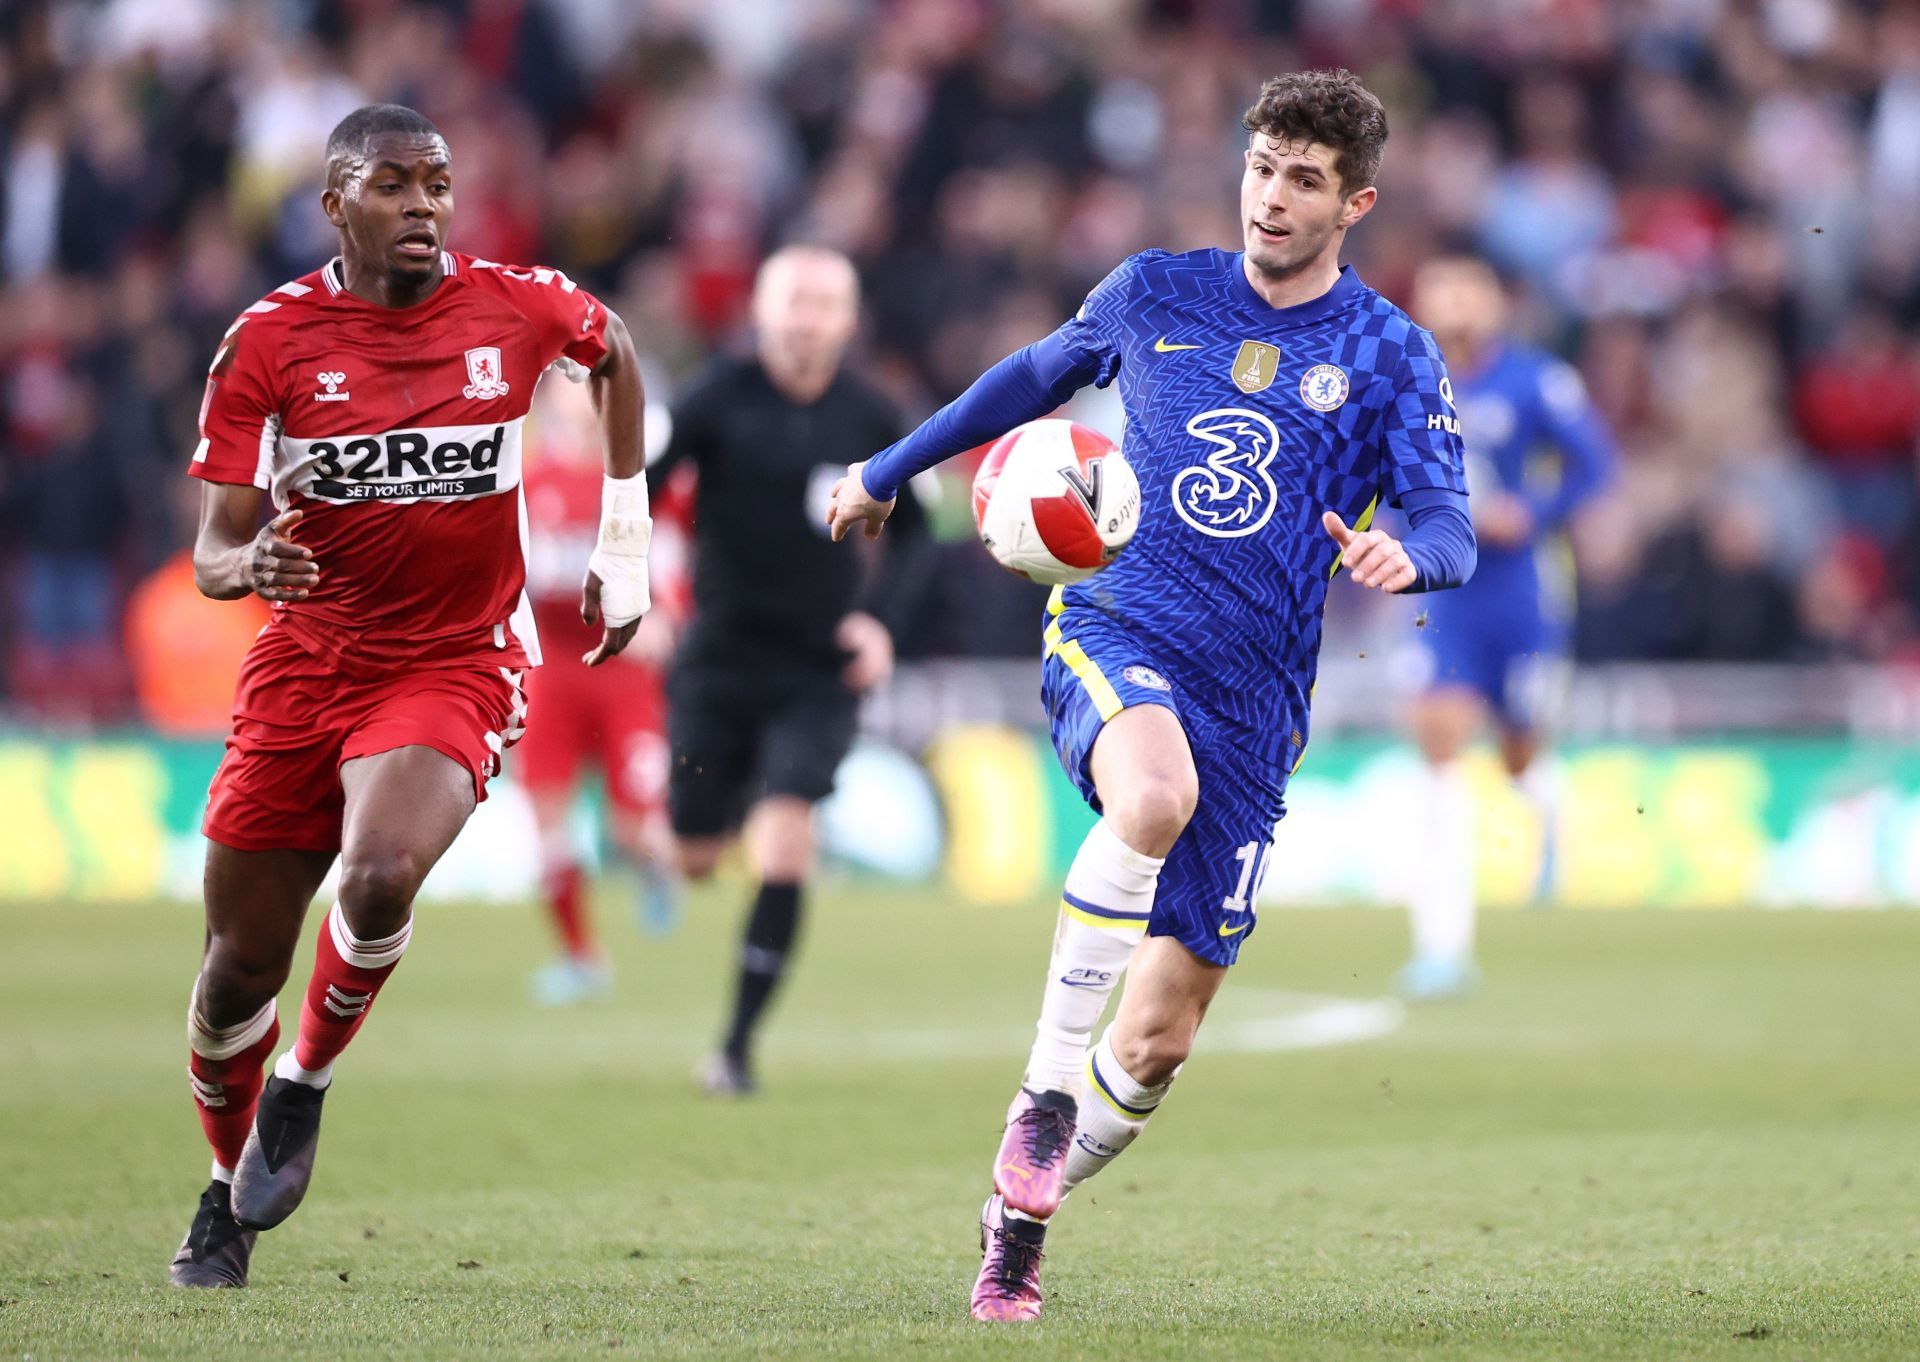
x,y
484,382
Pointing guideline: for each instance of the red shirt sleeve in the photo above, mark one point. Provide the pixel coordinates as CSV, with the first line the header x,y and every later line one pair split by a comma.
x,y
579,322
239,414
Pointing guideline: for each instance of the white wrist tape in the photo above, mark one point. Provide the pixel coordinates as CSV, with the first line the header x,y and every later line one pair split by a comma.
x,y
619,560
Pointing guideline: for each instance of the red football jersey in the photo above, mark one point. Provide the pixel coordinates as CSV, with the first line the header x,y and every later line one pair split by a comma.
x,y
398,431
563,515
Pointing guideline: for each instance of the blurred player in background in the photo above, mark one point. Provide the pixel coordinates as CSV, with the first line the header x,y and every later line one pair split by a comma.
x,y
1273,401
1498,646
611,719
787,632
379,400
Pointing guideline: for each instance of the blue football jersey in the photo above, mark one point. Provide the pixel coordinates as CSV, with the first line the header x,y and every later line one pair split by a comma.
x,y
1245,423
1531,431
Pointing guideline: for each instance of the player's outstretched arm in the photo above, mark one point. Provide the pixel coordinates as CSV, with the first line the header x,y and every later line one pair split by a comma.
x,y
852,504
615,594
1373,558
232,559
1023,387
1439,551
1589,460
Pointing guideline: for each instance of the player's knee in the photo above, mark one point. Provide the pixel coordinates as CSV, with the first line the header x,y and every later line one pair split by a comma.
x,y
697,858
236,977
1152,1056
783,847
377,888
1151,812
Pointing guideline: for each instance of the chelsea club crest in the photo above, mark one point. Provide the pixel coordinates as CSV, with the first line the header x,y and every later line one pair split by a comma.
x,y
1324,387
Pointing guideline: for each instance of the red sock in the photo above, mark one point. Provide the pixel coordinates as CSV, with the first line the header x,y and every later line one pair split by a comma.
x,y
226,1069
347,972
566,901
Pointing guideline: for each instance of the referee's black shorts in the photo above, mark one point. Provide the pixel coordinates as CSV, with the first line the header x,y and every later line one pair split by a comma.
x,y
738,735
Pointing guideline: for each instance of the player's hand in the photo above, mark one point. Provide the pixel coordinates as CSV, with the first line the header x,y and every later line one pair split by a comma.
x,y
276,568
615,636
1373,558
869,649
850,505
1503,521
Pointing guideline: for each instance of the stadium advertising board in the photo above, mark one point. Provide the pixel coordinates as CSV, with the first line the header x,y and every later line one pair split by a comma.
x,y
1716,825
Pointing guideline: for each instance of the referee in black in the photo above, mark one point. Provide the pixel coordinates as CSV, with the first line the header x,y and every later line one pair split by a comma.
x,y
788,630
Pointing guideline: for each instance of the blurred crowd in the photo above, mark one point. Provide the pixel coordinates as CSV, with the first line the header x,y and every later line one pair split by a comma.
x,y
1711,206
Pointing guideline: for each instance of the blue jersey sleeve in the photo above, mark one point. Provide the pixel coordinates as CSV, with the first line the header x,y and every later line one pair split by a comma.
x,y
1096,335
1423,449
1588,459
1440,544
1024,386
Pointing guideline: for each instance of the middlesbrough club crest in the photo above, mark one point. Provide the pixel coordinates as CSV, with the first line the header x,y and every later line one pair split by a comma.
x,y
483,374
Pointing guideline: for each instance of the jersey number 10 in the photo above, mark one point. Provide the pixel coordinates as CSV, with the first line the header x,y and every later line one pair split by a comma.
x,y
1253,858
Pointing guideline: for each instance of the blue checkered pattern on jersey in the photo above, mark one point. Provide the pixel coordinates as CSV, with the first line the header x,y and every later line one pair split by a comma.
x,y
1245,423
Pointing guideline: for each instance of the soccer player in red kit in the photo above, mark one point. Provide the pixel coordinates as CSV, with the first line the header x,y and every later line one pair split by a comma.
x,y
379,402
607,719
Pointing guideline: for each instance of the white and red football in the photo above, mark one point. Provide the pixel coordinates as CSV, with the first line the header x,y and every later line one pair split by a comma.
x,y
1055,501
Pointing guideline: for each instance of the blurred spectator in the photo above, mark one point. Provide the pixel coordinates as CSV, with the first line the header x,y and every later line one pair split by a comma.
x,y
1714,209
1857,403
185,650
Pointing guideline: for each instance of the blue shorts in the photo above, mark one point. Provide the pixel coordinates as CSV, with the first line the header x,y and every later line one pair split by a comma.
x,y
1206,896
1513,657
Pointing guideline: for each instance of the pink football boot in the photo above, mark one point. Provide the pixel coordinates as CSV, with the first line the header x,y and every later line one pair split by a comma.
x,y
1008,1287
1032,1161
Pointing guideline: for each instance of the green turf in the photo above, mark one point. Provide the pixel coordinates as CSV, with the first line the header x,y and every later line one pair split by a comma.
x,y
1683,1135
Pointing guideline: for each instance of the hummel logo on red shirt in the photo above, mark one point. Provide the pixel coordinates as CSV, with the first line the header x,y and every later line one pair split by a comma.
x,y
332,382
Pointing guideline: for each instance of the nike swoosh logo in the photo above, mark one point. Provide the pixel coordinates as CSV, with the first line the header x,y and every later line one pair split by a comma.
x,y
1160,347
1014,1171
1235,931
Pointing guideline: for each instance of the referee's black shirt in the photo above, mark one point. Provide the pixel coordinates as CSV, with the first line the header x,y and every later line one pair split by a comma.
x,y
769,586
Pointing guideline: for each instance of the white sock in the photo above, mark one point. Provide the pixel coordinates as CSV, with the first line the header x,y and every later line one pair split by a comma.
x,y
1442,899
288,1067
1540,785
1112,1115
222,1173
211,1042
1103,916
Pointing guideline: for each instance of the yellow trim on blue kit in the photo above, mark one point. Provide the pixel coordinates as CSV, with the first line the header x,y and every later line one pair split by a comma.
x,y
1105,699
1365,522
1095,1083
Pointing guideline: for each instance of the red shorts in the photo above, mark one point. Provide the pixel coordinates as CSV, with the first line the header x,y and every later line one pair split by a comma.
x,y
296,719
612,717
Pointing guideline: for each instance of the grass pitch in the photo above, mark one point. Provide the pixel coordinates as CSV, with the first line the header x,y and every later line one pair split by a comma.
x,y
1650,1136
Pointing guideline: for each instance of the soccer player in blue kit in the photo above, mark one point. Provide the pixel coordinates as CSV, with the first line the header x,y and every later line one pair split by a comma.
x,y
1273,401
1498,647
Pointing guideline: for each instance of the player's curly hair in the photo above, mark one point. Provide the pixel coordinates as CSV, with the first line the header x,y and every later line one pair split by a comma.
x,y
1329,107
352,137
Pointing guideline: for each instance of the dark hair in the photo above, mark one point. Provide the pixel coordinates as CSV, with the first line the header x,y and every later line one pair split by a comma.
x,y
1329,107
352,137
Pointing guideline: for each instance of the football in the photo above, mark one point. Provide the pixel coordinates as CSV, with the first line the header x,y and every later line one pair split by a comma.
x,y
1054,501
